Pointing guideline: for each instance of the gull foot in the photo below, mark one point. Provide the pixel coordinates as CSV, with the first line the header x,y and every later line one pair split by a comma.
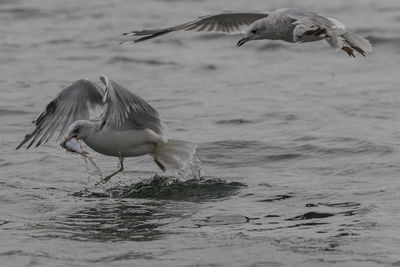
x,y
349,51
105,180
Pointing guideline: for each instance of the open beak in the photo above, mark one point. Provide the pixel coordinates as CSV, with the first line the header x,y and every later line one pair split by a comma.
x,y
243,41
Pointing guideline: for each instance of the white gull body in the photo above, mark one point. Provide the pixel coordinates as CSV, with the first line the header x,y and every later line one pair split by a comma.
x,y
127,127
287,24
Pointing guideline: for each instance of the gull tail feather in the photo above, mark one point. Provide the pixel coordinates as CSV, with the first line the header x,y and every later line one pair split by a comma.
x,y
349,42
174,154
358,43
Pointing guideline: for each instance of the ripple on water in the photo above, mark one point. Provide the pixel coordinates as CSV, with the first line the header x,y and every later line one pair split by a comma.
x,y
252,153
221,219
341,204
234,121
24,12
375,40
277,198
59,41
125,59
311,215
8,112
107,221
209,67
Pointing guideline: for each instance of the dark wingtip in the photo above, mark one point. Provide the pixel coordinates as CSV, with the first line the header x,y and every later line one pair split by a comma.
x,y
30,144
21,144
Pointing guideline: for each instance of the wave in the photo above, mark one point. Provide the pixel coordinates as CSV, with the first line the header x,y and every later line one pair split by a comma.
x,y
234,121
377,40
241,153
153,62
7,112
24,12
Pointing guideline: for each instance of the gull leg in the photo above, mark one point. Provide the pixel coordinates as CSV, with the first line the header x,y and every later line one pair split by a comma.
x,y
121,168
359,50
349,51
159,164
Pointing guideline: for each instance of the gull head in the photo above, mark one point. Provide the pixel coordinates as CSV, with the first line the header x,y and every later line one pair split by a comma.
x,y
255,31
80,129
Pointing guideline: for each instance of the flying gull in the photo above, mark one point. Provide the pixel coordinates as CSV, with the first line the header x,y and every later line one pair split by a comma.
x,y
287,24
127,127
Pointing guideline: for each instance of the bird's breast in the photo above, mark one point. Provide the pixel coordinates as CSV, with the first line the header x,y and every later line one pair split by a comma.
x,y
126,143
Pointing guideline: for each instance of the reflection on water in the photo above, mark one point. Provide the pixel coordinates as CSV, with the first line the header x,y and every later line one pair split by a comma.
x,y
115,221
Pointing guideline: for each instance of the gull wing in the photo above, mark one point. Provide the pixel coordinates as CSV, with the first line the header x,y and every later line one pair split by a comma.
x,y
310,26
71,104
229,22
124,108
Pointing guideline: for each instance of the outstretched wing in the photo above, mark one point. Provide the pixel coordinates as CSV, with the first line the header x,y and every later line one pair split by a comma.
x,y
124,108
71,104
229,22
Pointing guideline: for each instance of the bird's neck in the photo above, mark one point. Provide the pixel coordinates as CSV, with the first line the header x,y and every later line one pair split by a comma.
x,y
279,28
90,128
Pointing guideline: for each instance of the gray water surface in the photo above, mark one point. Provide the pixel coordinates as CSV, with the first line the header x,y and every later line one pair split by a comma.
x,y
298,144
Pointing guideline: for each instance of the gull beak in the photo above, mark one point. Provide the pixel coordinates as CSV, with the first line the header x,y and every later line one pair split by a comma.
x,y
63,143
242,41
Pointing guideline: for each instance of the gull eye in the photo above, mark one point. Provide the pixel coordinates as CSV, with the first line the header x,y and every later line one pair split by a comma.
x,y
76,130
254,31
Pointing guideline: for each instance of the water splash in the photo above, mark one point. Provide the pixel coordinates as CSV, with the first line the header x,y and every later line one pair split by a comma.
x,y
92,170
170,188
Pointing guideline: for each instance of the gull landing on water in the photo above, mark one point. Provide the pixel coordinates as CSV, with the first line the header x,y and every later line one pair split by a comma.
x,y
287,24
127,127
